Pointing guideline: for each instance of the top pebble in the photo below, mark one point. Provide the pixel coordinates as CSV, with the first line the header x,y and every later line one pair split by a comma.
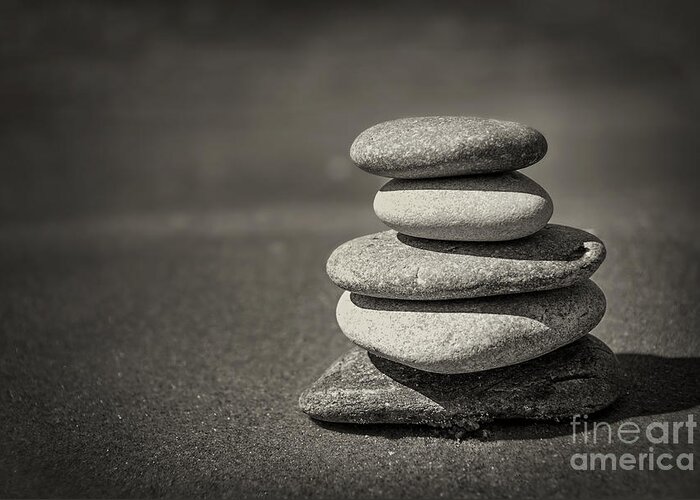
x,y
443,146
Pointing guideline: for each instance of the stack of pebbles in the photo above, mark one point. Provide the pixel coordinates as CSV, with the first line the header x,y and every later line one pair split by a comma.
x,y
472,308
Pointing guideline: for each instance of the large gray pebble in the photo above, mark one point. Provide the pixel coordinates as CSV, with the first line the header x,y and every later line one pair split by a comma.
x,y
469,335
392,265
580,378
439,146
494,207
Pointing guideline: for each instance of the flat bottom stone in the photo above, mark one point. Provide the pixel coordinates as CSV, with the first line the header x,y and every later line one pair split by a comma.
x,y
580,378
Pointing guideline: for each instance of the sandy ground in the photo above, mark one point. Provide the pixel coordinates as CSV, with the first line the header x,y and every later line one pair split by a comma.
x,y
174,176
164,356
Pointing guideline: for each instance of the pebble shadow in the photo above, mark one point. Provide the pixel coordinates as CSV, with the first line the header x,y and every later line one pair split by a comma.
x,y
553,243
505,182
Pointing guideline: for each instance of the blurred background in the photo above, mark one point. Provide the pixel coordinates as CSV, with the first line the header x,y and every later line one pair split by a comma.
x,y
162,107
174,176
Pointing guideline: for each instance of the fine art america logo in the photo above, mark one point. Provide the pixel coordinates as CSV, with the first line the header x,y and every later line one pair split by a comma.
x,y
659,434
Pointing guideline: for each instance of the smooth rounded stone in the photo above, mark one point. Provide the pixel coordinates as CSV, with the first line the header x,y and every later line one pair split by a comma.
x,y
580,378
441,146
470,335
397,266
494,207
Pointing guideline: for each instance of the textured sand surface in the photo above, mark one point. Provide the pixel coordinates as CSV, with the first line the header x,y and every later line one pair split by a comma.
x,y
165,356
175,176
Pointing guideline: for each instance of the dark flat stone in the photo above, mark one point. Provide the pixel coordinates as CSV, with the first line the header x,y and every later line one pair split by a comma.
x,y
579,378
396,266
